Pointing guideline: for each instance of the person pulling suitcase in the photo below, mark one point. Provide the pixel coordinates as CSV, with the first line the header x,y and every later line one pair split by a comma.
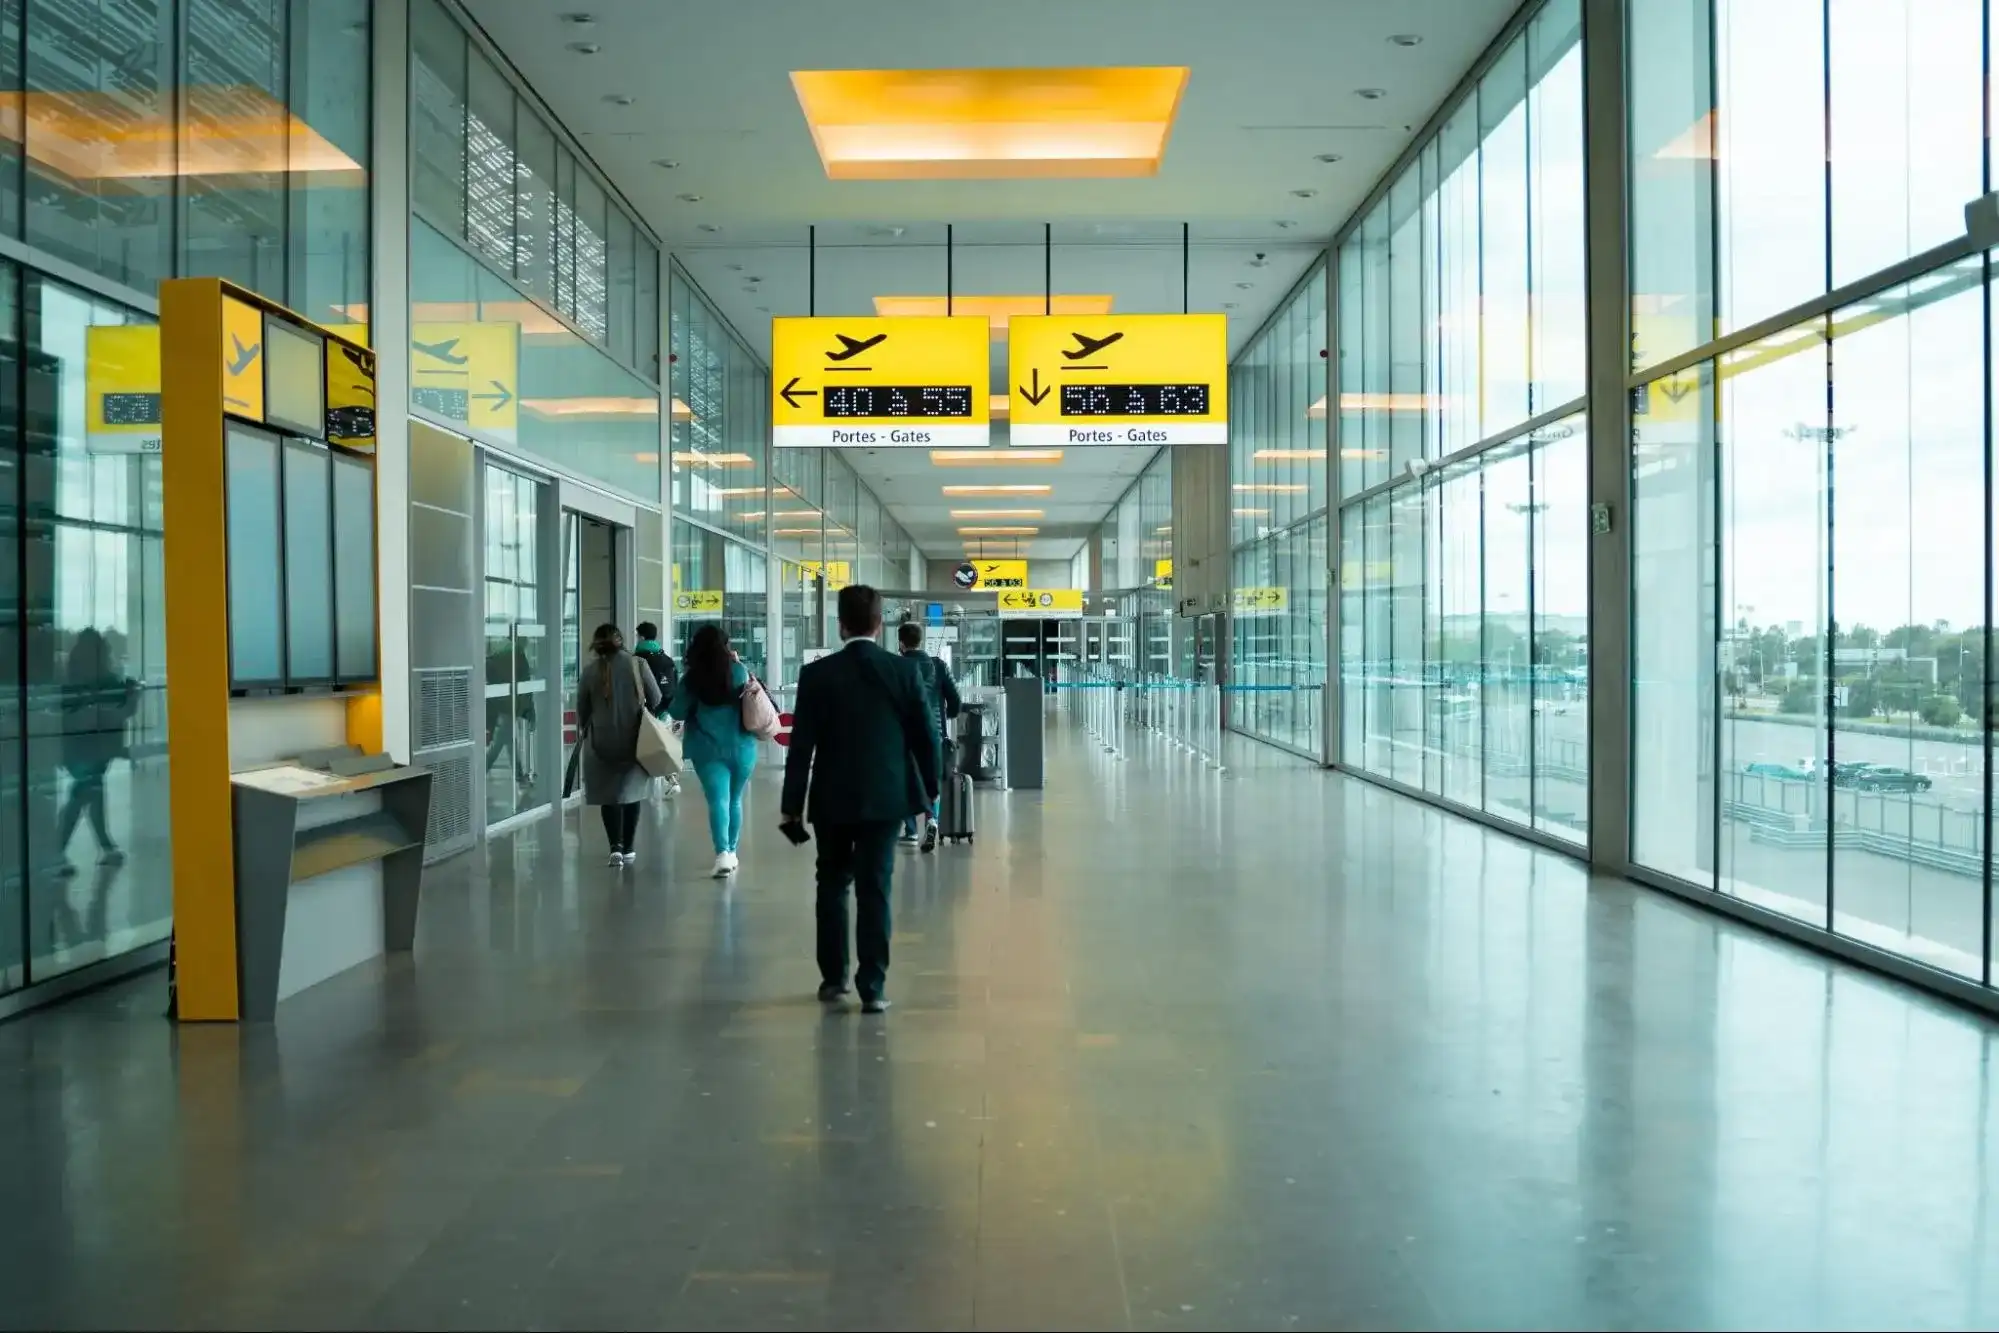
x,y
941,693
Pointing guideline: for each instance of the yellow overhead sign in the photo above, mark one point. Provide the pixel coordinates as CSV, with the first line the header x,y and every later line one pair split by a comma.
x,y
242,359
1261,601
121,375
350,395
469,373
1118,379
1041,602
838,572
990,574
1162,573
881,383
700,602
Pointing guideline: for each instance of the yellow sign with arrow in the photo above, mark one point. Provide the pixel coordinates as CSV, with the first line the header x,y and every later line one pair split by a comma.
x,y
699,602
895,382
1262,601
1041,602
469,373
1118,379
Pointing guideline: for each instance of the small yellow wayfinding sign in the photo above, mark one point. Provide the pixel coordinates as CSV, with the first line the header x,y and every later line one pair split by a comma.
x,y
907,382
698,602
1118,379
1044,602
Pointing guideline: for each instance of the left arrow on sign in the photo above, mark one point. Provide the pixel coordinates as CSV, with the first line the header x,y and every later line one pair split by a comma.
x,y
791,393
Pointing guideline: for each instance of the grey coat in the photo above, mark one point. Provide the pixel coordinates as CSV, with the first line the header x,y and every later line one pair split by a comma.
x,y
610,730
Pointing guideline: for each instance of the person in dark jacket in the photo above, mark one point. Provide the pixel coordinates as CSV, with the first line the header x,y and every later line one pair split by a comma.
x,y
863,758
97,702
665,674
940,692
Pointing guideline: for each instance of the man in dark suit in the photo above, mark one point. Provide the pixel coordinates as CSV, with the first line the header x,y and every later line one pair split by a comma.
x,y
864,741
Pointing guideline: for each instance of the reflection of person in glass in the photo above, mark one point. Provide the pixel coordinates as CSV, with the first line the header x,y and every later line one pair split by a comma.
x,y
97,702
514,669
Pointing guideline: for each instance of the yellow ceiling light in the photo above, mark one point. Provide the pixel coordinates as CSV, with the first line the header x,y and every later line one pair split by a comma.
x,y
988,457
1379,402
1010,488
998,532
234,129
794,532
1281,455
1250,513
591,409
1271,487
748,517
695,458
998,513
733,492
987,124
796,513
997,309
681,411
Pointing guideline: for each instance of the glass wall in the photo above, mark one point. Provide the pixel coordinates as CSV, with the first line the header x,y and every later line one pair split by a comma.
x,y
494,366
517,652
721,418
490,174
1812,511
85,835
1464,633
1277,523
152,139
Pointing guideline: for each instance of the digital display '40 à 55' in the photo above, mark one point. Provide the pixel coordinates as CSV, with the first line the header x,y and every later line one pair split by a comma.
x,y
881,383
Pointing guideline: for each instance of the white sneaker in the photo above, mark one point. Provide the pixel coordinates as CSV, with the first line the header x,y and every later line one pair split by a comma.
x,y
630,858
724,864
616,859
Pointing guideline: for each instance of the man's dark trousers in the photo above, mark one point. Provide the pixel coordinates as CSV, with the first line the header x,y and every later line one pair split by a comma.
x,y
861,855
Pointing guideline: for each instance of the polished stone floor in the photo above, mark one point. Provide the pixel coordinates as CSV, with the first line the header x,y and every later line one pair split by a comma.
x,y
1271,1049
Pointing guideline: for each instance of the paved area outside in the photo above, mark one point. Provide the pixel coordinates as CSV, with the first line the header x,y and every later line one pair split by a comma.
x,y
1267,1050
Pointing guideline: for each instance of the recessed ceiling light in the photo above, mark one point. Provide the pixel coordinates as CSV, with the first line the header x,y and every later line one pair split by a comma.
x,y
997,513
763,309
689,198
620,99
998,532
1010,489
1370,94
1405,39
1244,286
1329,158
753,278
1300,194
1286,224
579,19
585,48
735,268
1229,305
984,124
666,164
987,457
709,227
887,232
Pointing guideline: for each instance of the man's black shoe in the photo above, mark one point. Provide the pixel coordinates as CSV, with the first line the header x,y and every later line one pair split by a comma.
x,y
831,992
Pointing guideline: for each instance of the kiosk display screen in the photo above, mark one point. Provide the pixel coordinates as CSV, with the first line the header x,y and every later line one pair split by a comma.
x,y
308,564
256,588
354,646
294,378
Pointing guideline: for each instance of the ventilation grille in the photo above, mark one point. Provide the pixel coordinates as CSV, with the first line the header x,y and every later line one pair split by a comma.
x,y
443,708
451,825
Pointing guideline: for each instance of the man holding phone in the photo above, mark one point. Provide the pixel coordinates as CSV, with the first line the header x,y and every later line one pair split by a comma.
x,y
864,756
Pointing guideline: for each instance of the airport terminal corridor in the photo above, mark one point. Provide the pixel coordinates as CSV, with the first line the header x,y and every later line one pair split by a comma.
x,y
1172,1049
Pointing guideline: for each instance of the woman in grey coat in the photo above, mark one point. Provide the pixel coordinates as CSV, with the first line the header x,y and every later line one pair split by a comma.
x,y
611,690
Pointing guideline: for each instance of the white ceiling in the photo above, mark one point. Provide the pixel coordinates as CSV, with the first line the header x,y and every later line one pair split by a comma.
x,y
1273,86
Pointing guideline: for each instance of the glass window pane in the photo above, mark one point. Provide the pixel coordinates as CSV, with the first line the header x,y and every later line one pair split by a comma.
x,y
534,202
1560,515
233,217
1504,655
622,284
1504,255
489,163
588,301
437,117
114,63
1670,125
1555,174
329,252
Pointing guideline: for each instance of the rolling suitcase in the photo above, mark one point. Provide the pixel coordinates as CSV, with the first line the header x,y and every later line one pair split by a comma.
x,y
954,804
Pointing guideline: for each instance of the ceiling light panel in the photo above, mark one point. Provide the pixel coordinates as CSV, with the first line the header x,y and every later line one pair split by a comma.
x,y
998,513
989,457
997,309
998,532
990,124
1011,488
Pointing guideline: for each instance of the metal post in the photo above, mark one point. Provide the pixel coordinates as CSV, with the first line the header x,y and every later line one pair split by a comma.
x,y
1609,437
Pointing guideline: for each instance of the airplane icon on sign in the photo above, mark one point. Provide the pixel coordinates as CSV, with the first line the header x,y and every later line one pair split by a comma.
x,y
244,355
853,347
442,351
1088,346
